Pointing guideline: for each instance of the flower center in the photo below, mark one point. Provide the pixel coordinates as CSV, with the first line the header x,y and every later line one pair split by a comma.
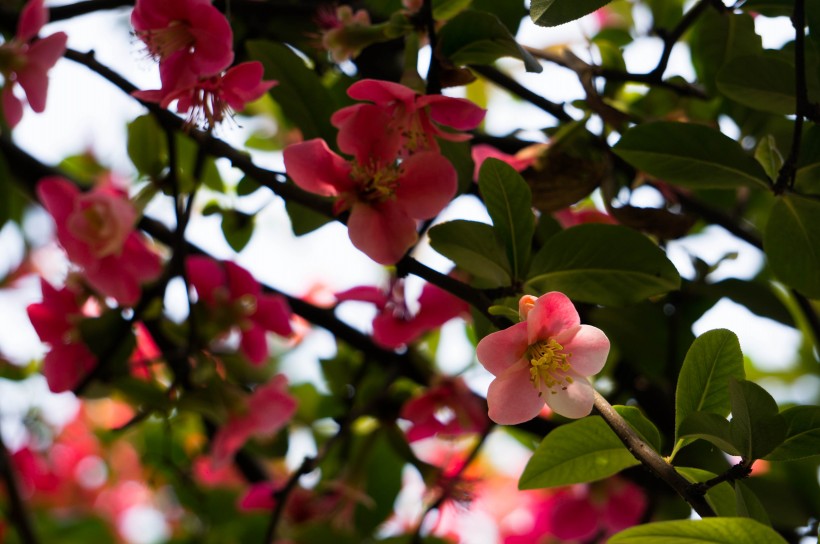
x,y
163,42
549,366
377,183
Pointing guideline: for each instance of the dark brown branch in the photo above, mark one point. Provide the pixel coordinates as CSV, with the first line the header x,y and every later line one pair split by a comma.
x,y
433,72
671,38
735,472
506,82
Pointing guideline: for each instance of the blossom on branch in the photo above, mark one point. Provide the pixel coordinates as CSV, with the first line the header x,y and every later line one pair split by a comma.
x,y
234,300
545,358
55,320
385,196
189,32
447,409
413,118
26,60
96,229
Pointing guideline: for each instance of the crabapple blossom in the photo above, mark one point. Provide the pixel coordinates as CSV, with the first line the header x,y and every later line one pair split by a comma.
x,y
545,358
268,409
55,320
190,32
413,118
96,229
234,299
27,61
446,409
385,196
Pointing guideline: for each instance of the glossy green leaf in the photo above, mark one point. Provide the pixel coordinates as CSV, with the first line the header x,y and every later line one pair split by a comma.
x,y
760,82
807,181
791,242
720,497
704,531
558,12
717,38
748,505
479,37
690,155
711,427
509,203
703,384
645,428
769,156
237,227
582,451
299,91
246,186
756,427
474,247
147,146
802,434
602,264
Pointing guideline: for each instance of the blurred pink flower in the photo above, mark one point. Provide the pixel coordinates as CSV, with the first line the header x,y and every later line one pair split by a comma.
x,y
520,161
259,496
385,196
570,217
208,100
410,117
96,229
55,320
191,32
235,299
268,410
26,60
395,325
345,33
447,409
545,358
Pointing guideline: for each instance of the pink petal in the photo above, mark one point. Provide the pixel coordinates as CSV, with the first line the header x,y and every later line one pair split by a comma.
x,y
46,52
427,184
32,18
501,350
374,295
391,332
273,314
110,278
205,275
254,344
511,397
624,507
259,497
316,169
458,113
573,402
482,152
573,518
552,314
272,406
12,106
383,233
241,283
230,437
140,261
381,92
57,196
589,348
66,365
368,134
243,84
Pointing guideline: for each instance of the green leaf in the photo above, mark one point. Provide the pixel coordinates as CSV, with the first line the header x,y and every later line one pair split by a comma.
x,y
147,146
474,247
791,242
756,427
609,265
509,203
237,228
748,505
720,497
582,451
479,37
760,82
802,434
769,156
711,427
246,186
645,428
703,383
717,38
303,220
690,155
558,12
704,531
807,181
299,91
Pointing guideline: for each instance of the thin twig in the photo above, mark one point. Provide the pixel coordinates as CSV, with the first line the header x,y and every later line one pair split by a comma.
x,y
506,82
788,172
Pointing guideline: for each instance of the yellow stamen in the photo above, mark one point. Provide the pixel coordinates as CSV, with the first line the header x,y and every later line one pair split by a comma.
x,y
549,366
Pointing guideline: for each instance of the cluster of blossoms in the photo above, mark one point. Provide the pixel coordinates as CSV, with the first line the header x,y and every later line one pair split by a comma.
x,y
193,43
26,60
396,176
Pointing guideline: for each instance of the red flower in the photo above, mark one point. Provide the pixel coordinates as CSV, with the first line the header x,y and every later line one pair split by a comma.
x,y
385,196
55,321
235,299
96,229
448,409
191,32
411,117
544,359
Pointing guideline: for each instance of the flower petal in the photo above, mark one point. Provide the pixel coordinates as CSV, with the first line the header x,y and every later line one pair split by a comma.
x,y
458,113
383,233
500,350
367,133
573,402
427,184
589,348
317,169
254,344
552,314
205,275
273,314
511,397
380,92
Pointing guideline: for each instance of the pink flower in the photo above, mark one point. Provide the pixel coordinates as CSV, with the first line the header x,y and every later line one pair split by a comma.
x,y
55,320
346,33
208,100
260,496
413,118
385,196
545,358
570,217
520,161
192,32
27,61
448,409
268,410
96,229
395,325
235,300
